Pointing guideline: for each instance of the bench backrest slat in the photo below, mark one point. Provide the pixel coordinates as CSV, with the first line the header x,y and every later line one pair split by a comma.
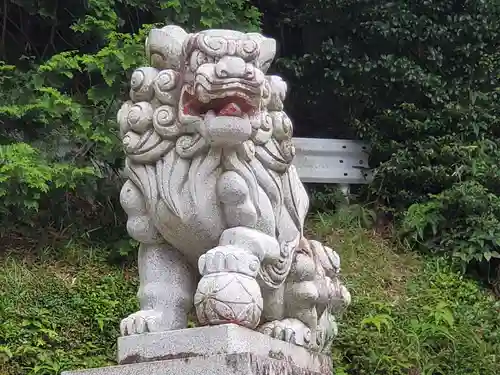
x,y
334,161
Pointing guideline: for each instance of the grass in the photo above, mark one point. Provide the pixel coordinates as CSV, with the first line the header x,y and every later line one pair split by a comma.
x,y
60,312
410,314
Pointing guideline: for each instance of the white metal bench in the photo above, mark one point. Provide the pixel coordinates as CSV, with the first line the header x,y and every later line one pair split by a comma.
x,y
332,161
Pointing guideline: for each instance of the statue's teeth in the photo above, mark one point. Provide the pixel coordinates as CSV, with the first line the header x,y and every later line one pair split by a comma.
x,y
204,98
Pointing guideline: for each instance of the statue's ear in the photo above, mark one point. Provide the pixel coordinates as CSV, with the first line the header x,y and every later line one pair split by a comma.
x,y
278,89
164,47
267,48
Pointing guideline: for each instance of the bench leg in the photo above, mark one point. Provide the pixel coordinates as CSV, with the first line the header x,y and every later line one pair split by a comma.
x,y
345,189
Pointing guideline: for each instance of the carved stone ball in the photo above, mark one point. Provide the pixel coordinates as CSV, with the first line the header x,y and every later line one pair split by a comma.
x,y
228,297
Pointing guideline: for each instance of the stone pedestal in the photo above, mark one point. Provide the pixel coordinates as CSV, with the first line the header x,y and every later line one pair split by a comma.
x,y
217,350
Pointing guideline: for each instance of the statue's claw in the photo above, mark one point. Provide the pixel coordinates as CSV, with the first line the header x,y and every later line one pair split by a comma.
x,y
140,322
289,330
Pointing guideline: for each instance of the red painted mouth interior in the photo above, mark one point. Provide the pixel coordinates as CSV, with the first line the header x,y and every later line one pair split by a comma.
x,y
228,106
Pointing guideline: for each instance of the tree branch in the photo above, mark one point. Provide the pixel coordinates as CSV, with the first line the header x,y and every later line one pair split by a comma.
x,y
4,29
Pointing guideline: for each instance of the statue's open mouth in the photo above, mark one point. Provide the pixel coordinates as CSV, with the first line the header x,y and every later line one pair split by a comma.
x,y
227,97
234,104
227,103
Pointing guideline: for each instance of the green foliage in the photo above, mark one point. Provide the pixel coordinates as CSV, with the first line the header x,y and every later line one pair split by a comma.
x,y
420,81
443,325
25,176
474,233
62,316
60,310
62,82
325,198
408,315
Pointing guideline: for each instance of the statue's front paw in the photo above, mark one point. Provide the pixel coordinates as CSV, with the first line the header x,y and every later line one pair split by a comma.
x,y
228,258
289,330
140,322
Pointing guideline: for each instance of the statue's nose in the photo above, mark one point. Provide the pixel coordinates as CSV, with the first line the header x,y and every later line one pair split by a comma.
x,y
233,67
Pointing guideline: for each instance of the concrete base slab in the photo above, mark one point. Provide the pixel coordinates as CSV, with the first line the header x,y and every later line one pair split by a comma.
x,y
209,341
216,350
231,364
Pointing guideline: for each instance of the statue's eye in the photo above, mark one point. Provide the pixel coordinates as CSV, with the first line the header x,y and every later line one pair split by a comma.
x,y
198,58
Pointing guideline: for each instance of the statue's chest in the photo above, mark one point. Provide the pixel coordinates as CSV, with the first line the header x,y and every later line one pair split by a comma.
x,y
194,228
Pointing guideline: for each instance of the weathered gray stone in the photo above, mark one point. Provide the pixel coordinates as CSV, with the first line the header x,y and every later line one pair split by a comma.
x,y
228,364
211,191
225,339
218,350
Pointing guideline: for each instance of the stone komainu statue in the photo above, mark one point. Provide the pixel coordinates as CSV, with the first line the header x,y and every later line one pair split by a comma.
x,y
211,186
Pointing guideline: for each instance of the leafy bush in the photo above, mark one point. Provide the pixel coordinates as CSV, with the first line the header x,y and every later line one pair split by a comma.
x,y
420,81
65,72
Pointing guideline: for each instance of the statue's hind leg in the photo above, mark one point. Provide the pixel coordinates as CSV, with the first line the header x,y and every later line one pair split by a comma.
x,y
167,282
278,318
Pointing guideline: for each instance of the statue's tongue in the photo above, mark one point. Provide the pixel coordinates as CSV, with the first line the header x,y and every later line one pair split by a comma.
x,y
231,109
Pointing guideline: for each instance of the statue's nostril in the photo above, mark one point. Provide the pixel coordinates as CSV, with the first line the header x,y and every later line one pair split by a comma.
x,y
221,70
